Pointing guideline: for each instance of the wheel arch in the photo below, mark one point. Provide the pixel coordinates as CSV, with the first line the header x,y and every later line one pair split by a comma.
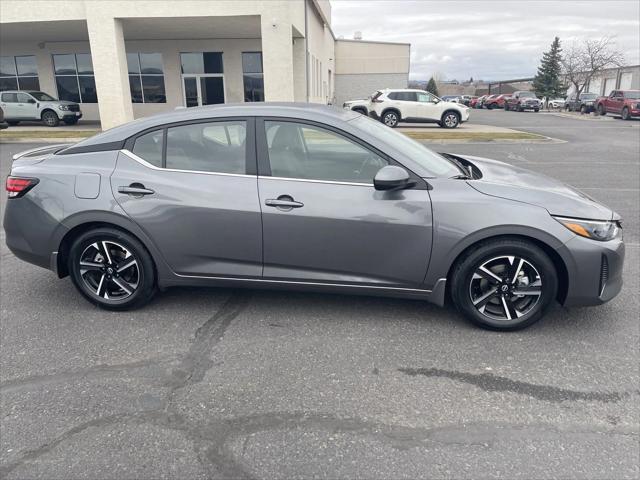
x,y
48,109
82,223
453,110
391,109
361,109
557,260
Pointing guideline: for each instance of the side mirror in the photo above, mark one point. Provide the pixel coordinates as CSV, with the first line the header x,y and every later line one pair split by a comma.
x,y
392,178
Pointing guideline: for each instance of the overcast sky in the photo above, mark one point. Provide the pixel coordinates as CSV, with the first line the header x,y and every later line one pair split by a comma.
x,y
491,40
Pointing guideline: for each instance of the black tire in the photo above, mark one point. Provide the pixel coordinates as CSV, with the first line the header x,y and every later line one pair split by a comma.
x,y
13,123
520,109
536,110
583,109
50,118
105,276
506,107
391,118
449,119
70,121
625,114
468,282
601,110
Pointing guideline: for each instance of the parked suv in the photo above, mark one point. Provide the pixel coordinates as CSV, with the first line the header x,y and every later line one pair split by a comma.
x,y
496,101
523,100
584,104
33,105
394,106
625,103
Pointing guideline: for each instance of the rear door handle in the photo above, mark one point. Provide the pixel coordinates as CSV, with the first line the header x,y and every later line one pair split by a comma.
x,y
283,202
136,190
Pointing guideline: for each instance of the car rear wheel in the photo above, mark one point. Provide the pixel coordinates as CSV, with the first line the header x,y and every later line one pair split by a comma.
x,y
450,120
112,269
625,114
390,119
504,284
50,119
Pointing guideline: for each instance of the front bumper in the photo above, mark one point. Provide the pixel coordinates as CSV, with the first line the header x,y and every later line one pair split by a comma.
x,y
634,112
594,270
69,115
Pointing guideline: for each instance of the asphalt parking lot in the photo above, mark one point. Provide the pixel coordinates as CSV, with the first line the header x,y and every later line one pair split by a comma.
x,y
258,384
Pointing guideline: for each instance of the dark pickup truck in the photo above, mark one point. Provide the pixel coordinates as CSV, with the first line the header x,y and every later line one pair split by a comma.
x,y
625,103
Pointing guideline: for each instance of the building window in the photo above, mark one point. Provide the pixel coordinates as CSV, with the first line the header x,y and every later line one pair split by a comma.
x,y
146,78
253,77
74,77
201,62
19,73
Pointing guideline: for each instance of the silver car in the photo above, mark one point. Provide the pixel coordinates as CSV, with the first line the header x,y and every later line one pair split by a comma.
x,y
307,197
28,105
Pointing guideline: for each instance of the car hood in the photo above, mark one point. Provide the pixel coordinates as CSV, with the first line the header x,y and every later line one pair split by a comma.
x,y
514,183
59,102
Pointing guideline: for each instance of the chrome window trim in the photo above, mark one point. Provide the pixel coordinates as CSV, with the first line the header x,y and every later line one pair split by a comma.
x,y
332,182
319,284
144,163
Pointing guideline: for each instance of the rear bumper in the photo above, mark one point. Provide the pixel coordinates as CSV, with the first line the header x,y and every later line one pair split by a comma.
x,y
595,270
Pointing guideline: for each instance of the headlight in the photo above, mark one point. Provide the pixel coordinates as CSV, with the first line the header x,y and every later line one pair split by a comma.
x,y
63,107
593,229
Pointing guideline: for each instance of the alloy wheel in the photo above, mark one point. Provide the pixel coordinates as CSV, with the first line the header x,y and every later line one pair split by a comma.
x,y
505,288
451,120
109,270
390,119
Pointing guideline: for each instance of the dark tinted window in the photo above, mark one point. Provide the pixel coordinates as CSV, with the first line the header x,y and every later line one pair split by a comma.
x,y
7,67
27,66
308,152
153,88
64,64
252,62
404,96
201,62
28,83
151,63
68,88
253,77
8,83
133,63
85,65
88,89
149,147
136,88
146,78
208,147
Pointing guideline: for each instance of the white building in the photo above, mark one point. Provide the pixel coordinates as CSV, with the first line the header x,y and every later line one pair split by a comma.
x,y
123,59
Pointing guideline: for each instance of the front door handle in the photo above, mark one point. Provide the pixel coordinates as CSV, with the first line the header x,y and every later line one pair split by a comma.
x,y
135,190
283,202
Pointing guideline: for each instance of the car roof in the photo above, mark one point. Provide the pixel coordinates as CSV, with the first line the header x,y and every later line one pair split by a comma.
x,y
307,111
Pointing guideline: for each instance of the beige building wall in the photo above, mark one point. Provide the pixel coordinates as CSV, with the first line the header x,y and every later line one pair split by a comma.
x,y
359,57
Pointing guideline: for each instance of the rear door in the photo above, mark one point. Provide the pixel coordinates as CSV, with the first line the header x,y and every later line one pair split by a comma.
x,y
323,221
193,188
9,104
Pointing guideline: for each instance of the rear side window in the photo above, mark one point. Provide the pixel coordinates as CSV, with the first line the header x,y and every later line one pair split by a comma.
x,y
208,147
10,97
149,147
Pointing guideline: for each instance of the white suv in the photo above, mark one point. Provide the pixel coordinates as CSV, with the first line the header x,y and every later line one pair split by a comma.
x,y
393,106
33,105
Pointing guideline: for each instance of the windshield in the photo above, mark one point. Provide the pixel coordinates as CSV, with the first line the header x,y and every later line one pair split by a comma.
x,y
417,152
527,94
632,95
41,96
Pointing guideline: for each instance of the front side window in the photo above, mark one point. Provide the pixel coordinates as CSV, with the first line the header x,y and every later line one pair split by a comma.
x,y
208,147
424,97
74,77
307,152
19,73
146,78
253,76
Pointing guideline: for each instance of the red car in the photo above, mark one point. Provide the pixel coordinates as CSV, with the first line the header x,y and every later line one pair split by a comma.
x,y
625,103
496,101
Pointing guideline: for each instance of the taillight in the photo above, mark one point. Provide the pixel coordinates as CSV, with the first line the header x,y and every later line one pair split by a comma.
x,y
18,186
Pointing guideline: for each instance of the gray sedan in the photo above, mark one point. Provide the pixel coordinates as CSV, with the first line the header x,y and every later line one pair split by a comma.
x,y
307,197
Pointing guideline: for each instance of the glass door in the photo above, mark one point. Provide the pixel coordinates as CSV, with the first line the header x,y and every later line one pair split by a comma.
x,y
203,89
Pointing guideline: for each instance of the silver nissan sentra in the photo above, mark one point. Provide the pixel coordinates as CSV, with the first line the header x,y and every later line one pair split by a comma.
x,y
298,196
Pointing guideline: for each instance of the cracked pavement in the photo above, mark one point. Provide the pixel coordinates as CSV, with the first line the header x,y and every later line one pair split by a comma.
x,y
221,383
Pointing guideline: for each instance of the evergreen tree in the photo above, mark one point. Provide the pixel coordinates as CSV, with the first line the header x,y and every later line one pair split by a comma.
x,y
432,87
547,82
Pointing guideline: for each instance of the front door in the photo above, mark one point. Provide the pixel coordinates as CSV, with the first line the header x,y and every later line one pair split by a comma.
x,y
197,198
426,107
203,89
27,106
323,221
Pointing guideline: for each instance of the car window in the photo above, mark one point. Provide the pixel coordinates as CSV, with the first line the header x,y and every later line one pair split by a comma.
x,y
632,95
23,98
10,97
149,147
43,97
424,97
307,152
208,147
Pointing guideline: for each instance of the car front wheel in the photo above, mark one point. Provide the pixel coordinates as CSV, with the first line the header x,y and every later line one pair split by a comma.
x,y
390,119
625,114
601,110
50,119
504,284
112,269
450,120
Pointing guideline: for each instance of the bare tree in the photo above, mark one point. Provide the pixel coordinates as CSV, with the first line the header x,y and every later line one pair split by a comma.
x,y
584,60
